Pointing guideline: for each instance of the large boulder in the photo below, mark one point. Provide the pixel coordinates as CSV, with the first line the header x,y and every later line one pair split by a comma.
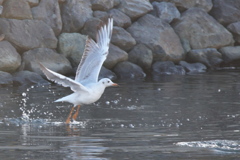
x,y
199,30
167,68
119,18
16,9
234,28
191,68
165,11
159,36
72,46
115,56
230,53
49,12
74,14
91,27
226,11
28,34
48,58
208,56
122,39
10,59
128,70
33,3
5,78
186,4
102,5
141,55
106,73
135,8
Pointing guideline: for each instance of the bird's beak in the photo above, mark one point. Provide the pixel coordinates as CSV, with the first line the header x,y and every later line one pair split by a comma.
x,y
115,84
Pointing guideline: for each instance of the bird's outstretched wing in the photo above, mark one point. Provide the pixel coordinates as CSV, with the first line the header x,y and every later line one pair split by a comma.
x,y
62,80
94,55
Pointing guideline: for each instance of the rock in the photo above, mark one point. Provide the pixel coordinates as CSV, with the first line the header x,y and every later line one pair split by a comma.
x,y
115,56
27,78
208,56
234,28
159,36
106,73
122,39
193,67
16,9
33,3
100,15
186,4
5,78
1,9
165,11
91,27
49,12
225,11
102,5
10,60
128,70
199,30
120,19
72,46
142,56
167,68
1,2
48,58
135,8
74,14
28,34
230,53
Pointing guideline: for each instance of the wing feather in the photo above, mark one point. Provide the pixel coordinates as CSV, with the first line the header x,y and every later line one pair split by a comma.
x,y
94,55
62,80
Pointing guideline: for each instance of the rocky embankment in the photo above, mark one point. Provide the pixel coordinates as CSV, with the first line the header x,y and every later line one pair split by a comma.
x,y
149,37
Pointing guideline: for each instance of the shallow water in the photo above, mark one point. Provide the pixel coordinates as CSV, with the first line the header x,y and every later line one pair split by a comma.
x,y
193,117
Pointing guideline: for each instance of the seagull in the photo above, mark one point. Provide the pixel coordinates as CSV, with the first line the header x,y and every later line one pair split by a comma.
x,y
86,87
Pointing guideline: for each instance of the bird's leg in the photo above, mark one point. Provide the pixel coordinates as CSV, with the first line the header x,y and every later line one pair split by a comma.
x,y
70,116
76,113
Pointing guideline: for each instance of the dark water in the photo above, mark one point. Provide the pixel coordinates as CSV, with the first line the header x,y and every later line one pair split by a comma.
x,y
192,117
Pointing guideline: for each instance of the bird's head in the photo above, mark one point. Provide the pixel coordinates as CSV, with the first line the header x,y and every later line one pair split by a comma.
x,y
107,82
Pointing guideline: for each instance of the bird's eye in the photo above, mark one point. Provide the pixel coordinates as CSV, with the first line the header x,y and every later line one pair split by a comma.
x,y
108,81
102,82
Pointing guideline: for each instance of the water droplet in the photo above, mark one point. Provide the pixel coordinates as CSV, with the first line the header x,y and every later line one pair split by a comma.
x,y
24,94
107,102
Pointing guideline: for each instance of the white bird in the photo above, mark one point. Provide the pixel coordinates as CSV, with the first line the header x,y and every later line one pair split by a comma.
x,y
86,87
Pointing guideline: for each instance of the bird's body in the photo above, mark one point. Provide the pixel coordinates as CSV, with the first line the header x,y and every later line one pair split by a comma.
x,y
86,87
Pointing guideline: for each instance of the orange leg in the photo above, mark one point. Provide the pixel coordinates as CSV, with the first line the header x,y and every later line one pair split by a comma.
x,y
76,113
69,116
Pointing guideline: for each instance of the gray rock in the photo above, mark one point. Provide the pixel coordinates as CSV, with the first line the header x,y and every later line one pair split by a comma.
x,y
48,58
49,12
200,30
128,70
27,78
10,60
230,53
72,46
234,28
74,14
91,27
19,9
225,11
115,56
102,5
5,78
186,4
120,19
208,56
100,15
28,34
193,67
135,8
165,11
122,39
167,68
159,36
142,56
106,73
33,3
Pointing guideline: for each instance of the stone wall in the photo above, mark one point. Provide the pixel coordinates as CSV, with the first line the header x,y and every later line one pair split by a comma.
x,y
149,37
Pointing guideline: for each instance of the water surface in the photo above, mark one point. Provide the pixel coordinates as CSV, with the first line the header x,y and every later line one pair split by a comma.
x,y
191,117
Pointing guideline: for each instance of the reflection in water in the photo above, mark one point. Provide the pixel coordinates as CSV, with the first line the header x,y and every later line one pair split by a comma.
x,y
174,116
